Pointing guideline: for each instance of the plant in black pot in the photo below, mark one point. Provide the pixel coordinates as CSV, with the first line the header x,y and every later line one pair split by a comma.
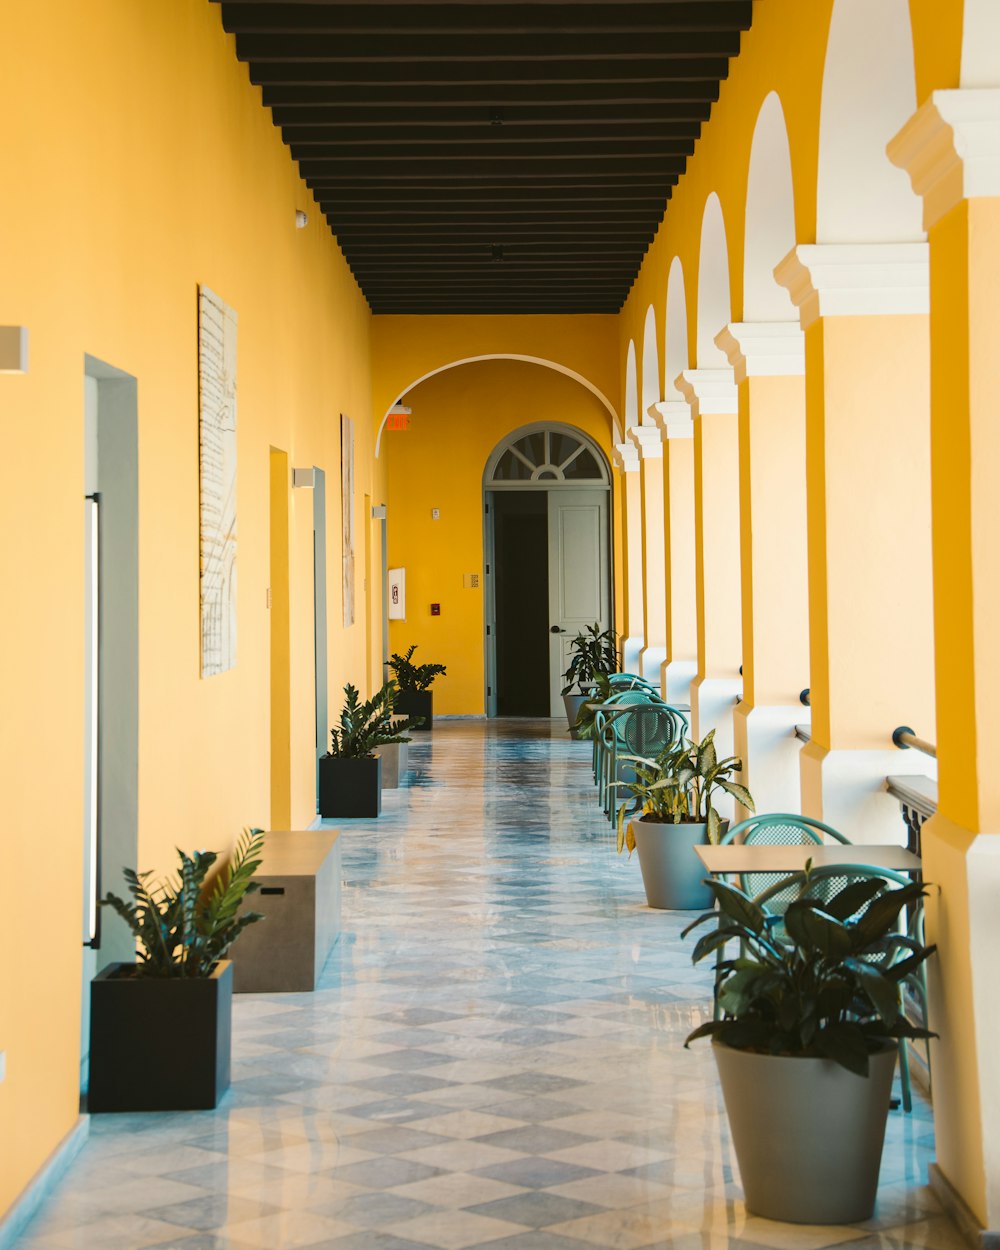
x,y
807,1045
350,778
673,812
594,655
415,697
160,1029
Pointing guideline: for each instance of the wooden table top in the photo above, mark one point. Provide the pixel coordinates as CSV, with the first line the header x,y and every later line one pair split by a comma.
x,y
735,858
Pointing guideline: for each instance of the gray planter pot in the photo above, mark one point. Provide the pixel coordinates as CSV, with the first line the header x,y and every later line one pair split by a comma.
x,y
807,1133
573,703
672,873
395,757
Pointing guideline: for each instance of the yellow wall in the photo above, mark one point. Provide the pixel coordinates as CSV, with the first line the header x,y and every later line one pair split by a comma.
x,y
458,418
139,163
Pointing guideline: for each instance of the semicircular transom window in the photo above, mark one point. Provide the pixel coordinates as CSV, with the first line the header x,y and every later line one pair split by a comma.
x,y
549,455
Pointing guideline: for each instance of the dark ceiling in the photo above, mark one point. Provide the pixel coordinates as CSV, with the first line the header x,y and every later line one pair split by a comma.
x,y
484,158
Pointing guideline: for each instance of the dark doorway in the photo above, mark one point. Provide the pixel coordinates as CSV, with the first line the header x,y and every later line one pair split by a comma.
x,y
521,559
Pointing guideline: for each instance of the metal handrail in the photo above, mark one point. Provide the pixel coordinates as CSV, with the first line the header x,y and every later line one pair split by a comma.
x,y
804,697
904,738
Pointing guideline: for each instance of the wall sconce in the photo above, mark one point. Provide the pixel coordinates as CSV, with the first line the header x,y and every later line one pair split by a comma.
x,y
301,219
304,479
13,349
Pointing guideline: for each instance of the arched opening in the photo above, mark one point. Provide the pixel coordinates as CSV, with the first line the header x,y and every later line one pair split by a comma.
x,y
631,413
548,562
713,286
650,368
770,217
869,91
675,333
616,431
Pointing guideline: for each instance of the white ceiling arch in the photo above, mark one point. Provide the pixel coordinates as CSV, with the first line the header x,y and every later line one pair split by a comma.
x,y
650,367
675,330
714,308
616,435
631,413
770,217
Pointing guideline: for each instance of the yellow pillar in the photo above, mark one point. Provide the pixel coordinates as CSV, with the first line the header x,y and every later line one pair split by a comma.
x,y
711,394
864,311
633,641
768,360
951,149
649,444
673,416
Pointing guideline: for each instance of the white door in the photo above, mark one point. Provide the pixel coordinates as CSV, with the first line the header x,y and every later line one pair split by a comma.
x,y
578,576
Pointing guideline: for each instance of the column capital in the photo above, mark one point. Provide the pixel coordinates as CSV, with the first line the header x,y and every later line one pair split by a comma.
x,y
764,349
673,416
710,392
648,441
856,279
626,457
950,147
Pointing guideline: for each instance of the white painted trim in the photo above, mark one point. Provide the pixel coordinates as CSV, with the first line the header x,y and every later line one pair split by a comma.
x,y
531,360
673,416
648,440
42,1184
626,457
710,392
950,147
856,279
764,349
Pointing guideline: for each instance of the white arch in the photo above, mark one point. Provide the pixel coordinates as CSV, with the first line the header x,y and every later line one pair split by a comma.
x,y
770,217
981,44
631,413
869,91
650,367
616,435
713,286
675,331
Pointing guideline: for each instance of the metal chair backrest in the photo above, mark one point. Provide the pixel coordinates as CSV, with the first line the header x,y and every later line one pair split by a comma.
x,y
777,829
651,727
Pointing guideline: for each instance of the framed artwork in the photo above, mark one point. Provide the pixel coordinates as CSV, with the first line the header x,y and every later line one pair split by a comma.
x,y
217,481
347,504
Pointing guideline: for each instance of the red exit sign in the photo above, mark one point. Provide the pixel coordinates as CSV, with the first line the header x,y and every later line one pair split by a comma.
x,y
398,421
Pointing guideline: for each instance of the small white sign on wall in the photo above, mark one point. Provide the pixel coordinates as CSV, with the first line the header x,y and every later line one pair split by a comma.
x,y
397,594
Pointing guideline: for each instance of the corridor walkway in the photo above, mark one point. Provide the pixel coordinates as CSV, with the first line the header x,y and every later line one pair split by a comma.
x,y
494,1058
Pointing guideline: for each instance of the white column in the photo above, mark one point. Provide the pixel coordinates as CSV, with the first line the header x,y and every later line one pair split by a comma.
x,y
627,459
649,444
673,416
768,360
712,396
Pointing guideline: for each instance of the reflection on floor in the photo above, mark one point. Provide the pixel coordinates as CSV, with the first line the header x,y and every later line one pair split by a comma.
x,y
494,1058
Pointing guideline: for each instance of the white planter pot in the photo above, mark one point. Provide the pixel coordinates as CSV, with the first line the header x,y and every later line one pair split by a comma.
x,y
395,762
672,873
807,1133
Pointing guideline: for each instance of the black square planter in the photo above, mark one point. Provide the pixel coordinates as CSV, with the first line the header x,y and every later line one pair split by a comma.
x,y
415,703
159,1043
350,787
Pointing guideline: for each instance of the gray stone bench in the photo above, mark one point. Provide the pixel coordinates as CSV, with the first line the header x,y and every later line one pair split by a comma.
x,y
299,897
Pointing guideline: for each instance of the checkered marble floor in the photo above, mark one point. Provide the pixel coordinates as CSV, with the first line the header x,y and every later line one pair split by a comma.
x,y
493,1059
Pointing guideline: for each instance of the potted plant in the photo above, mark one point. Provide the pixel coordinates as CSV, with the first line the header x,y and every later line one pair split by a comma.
x,y
595,653
350,781
394,753
160,1029
808,1041
673,794
415,698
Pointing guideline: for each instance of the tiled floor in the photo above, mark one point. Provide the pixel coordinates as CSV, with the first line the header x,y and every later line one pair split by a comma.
x,y
494,1058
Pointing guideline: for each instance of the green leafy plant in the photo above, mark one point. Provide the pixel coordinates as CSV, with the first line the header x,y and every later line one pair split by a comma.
x,y
828,986
410,676
364,727
678,785
183,928
587,719
595,651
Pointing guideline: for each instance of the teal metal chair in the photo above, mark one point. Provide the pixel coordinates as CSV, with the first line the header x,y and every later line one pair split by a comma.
x,y
777,829
632,681
644,730
824,883
605,733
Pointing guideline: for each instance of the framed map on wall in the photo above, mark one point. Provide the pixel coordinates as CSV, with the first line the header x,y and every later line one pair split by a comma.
x,y
217,481
347,504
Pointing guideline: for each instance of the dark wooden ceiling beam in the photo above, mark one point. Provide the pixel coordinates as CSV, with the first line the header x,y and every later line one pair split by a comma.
x,y
514,72
459,95
487,135
387,199
389,48
407,118
317,17
598,150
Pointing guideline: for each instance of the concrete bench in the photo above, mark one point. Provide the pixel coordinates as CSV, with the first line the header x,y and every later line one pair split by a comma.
x,y
299,897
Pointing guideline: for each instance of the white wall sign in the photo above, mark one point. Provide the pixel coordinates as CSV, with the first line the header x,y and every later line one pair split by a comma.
x,y
397,594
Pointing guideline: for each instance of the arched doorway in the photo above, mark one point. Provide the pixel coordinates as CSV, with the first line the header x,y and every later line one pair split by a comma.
x,y
546,496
